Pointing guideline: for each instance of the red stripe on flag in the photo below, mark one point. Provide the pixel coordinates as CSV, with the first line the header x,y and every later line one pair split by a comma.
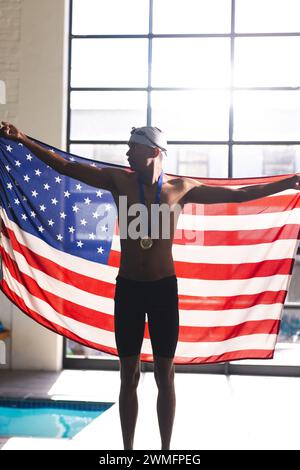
x,y
236,237
104,321
19,302
209,334
86,283
60,305
228,356
188,302
214,271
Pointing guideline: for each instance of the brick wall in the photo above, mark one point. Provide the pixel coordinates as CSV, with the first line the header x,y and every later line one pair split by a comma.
x,y
10,37
33,47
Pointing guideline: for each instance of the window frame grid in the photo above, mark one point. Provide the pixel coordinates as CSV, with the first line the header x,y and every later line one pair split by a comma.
x,y
227,368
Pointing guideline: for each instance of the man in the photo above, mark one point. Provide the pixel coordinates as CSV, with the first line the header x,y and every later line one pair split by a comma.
x,y
146,282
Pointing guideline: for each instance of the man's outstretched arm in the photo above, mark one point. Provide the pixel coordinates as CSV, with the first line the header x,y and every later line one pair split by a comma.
x,y
98,177
204,194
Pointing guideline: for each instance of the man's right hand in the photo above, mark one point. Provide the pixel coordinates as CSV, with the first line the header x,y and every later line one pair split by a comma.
x,y
97,177
11,132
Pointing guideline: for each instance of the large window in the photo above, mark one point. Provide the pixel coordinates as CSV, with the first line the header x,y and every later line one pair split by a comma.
x,y
220,77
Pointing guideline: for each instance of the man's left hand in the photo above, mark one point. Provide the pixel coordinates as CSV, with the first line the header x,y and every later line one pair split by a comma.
x,y
295,180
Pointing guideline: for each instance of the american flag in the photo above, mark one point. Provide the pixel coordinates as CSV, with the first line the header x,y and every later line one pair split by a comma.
x,y
60,250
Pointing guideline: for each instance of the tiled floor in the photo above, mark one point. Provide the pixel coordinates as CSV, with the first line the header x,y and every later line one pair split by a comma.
x,y
212,412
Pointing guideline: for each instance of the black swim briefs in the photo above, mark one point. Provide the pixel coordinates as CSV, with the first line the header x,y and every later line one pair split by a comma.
x,y
159,299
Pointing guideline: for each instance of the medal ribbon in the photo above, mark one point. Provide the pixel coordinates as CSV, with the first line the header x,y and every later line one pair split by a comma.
x,y
158,190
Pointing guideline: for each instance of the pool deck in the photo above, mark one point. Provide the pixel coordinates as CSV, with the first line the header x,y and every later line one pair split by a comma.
x,y
213,411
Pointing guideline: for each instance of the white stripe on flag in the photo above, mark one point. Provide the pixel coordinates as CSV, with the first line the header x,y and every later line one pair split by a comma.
x,y
83,330
79,265
107,338
228,254
197,349
231,254
229,317
194,287
60,288
239,221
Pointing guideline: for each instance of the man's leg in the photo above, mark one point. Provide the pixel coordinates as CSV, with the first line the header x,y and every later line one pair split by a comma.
x,y
129,332
128,402
164,373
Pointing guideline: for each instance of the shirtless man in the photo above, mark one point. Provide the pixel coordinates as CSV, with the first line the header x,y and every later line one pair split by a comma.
x,y
146,282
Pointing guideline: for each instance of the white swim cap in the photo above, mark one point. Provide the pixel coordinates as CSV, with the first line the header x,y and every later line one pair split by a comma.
x,y
147,135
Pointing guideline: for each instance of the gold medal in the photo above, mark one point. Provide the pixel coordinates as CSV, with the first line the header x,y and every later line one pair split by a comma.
x,y
146,243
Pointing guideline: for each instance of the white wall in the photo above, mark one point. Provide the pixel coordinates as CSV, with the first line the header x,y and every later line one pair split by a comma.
x,y
33,53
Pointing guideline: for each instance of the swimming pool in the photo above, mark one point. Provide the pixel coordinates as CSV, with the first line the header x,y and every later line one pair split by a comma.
x,y
47,418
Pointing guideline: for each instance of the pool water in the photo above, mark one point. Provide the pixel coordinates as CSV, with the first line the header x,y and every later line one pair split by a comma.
x,y
47,418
